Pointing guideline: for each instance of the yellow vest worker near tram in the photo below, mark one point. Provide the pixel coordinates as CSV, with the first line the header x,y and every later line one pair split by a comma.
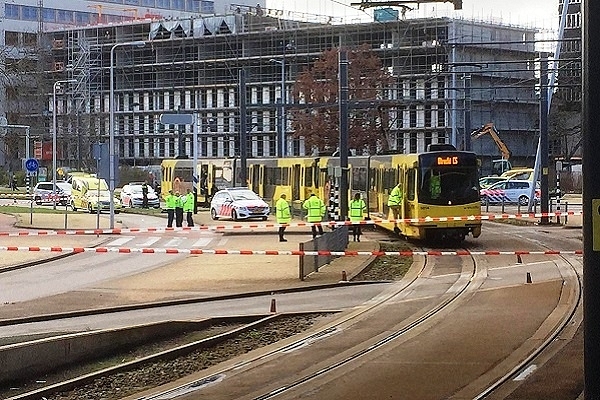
x,y
394,202
283,214
170,203
315,211
188,207
356,209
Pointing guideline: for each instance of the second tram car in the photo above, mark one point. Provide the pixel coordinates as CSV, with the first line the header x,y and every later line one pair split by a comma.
x,y
449,209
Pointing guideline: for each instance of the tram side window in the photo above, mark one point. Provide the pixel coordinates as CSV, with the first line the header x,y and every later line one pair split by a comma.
x,y
359,179
389,179
374,179
410,184
308,175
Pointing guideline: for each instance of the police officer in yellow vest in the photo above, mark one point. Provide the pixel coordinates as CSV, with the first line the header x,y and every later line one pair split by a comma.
x,y
283,214
394,203
355,211
188,207
315,209
170,203
178,210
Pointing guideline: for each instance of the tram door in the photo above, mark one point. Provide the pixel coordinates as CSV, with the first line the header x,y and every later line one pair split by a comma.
x,y
410,200
257,174
295,182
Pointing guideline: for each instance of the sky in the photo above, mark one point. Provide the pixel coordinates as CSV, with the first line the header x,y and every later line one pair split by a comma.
x,y
542,14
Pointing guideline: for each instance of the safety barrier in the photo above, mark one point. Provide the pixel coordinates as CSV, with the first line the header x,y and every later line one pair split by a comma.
x,y
331,224
336,240
133,250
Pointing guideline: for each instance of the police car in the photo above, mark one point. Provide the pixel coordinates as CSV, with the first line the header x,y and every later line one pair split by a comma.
x,y
238,203
510,191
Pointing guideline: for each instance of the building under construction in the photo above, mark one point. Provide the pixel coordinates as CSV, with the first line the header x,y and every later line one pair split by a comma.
x,y
450,76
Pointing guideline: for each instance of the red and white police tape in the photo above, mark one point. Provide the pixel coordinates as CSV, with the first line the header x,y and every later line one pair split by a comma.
x,y
118,231
130,250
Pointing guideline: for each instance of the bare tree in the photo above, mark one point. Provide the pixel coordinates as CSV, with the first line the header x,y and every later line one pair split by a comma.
x,y
317,87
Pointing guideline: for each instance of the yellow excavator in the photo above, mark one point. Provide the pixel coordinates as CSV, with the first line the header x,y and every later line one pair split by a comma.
x,y
498,166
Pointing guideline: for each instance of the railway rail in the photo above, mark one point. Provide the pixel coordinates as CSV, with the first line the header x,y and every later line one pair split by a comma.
x,y
438,285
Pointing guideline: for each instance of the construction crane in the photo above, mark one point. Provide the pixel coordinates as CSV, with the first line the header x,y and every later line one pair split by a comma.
x,y
499,166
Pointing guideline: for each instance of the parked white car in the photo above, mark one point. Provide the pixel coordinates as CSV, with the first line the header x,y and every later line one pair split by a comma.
x,y
43,193
238,203
131,196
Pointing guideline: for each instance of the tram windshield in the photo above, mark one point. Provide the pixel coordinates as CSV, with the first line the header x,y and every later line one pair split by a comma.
x,y
448,179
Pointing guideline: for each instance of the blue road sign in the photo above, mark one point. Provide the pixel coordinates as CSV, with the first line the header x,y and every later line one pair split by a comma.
x,y
32,165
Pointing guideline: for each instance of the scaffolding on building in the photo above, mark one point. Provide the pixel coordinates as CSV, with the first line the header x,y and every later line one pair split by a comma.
x,y
191,65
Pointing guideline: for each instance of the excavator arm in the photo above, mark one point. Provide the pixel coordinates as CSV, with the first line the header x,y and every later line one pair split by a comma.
x,y
490,129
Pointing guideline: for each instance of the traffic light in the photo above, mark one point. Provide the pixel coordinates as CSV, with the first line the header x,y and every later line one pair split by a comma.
x,y
457,4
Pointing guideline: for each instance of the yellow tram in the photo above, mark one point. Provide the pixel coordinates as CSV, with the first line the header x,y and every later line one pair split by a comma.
x,y
451,211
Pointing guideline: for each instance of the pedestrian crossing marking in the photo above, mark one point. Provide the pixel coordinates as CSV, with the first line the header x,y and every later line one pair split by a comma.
x,y
151,240
120,241
175,242
202,242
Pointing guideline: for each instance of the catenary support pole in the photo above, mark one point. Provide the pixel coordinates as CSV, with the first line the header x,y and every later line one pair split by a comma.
x,y
343,109
591,197
243,126
544,139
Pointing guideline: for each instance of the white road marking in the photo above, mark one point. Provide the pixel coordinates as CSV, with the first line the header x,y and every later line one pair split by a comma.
x,y
202,242
151,240
120,241
175,242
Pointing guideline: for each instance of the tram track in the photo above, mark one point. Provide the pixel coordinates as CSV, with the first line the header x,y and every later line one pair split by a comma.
x,y
563,323
472,275
413,276
414,322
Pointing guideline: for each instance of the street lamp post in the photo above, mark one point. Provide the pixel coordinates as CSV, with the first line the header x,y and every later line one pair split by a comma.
x,y
111,121
54,129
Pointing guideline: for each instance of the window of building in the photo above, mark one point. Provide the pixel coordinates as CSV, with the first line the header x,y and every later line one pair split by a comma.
x,y
163,3
11,11
29,39
178,5
207,6
29,13
49,15
82,18
141,153
573,20
441,117
64,16
132,2
11,38
148,3
192,5
412,142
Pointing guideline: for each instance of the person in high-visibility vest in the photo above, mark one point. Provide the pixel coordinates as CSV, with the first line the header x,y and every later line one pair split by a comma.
x,y
188,207
355,211
394,203
283,214
178,210
170,203
315,209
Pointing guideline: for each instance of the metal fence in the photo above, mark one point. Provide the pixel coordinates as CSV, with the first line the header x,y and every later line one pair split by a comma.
x,y
336,240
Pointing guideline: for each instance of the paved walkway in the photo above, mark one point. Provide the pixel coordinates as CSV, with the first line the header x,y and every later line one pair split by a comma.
x,y
196,275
